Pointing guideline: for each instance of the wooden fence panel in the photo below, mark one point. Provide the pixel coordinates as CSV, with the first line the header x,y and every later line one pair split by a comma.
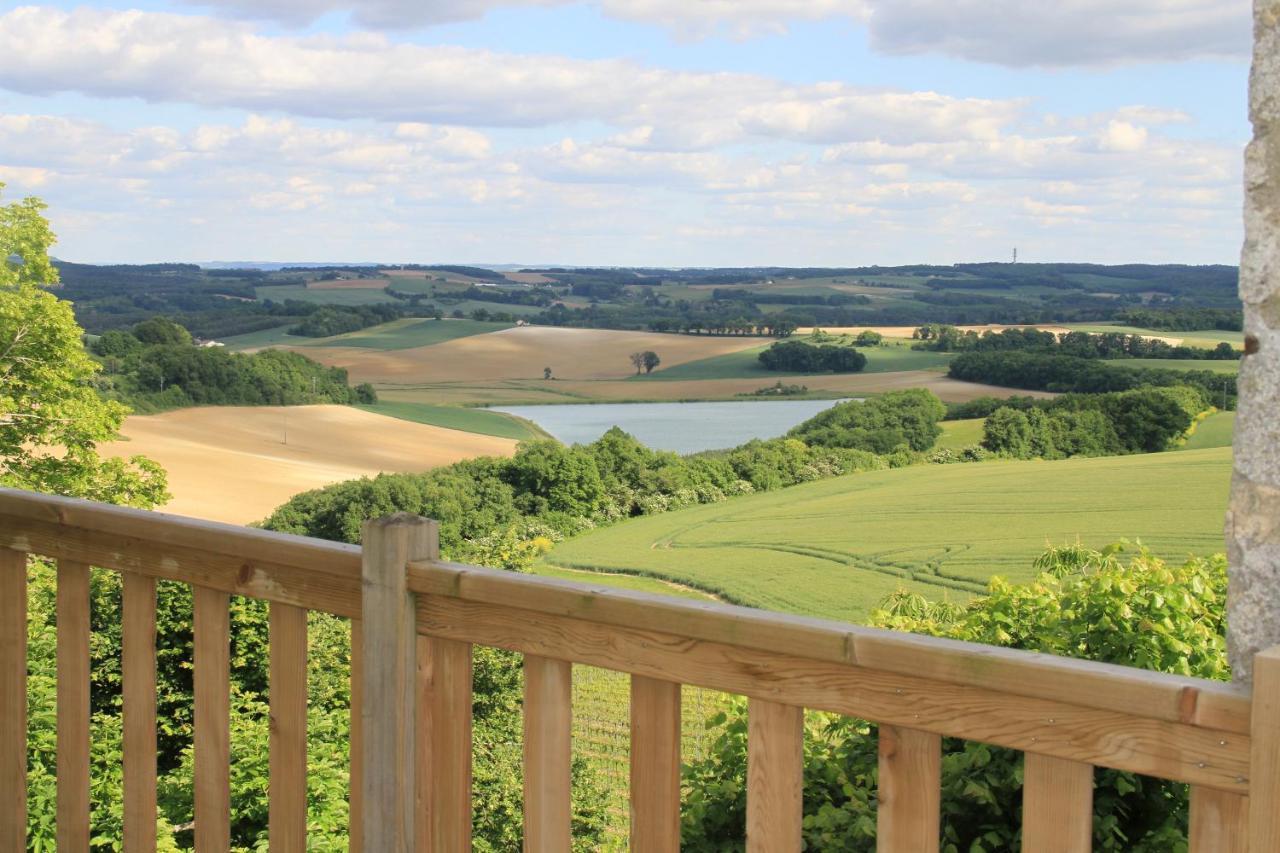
x,y
138,672
775,777
212,720
287,794
908,819
548,754
655,765
73,705
1057,805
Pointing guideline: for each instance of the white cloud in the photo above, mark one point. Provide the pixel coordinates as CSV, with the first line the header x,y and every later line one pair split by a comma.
x,y
1063,32
162,57
1005,32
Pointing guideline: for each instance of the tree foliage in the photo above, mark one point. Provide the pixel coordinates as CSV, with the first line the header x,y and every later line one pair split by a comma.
x,y
801,357
51,418
879,425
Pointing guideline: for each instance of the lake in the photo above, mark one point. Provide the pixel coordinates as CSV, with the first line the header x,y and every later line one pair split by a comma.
x,y
682,427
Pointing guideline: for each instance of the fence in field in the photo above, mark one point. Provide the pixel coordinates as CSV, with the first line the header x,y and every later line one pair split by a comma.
x,y
414,620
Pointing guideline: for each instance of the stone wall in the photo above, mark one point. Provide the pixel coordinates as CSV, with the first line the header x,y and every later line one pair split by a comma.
x,y
1253,519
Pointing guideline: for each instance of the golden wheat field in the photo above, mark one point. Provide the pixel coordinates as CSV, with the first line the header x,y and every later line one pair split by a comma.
x,y
237,464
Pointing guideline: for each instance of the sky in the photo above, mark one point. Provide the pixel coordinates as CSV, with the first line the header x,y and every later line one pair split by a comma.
x,y
630,132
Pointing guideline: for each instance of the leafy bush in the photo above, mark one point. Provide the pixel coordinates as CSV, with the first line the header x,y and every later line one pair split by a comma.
x,y
879,424
1085,604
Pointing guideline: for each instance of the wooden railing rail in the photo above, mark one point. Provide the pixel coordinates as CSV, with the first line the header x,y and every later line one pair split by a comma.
x,y
416,618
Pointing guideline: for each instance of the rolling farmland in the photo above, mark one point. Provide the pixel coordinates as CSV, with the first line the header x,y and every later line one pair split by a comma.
x,y
837,547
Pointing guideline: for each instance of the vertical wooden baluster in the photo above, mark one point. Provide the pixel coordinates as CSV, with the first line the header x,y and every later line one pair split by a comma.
x,y
1264,756
655,765
908,819
213,720
548,754
355,792
775,777
138,672
444,755
1219,821
287,794
1057,805
13,699
73,705
388,667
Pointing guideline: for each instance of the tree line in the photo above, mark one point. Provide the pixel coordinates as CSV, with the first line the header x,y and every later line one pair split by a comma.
x,y
156,366
938,337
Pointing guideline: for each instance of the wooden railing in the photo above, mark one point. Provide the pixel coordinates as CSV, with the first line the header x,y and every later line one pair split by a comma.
x,y
415,619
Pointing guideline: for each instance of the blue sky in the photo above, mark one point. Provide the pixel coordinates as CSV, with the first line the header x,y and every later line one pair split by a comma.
x,y
653,132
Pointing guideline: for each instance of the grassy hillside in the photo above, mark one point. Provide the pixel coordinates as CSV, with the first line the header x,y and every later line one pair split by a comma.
x,y
838,547
961,433
478,421
410,333
1217,430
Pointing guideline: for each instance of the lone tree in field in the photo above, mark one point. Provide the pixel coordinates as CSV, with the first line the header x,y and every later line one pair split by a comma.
x,y
650,360
51,419
637,361
546,373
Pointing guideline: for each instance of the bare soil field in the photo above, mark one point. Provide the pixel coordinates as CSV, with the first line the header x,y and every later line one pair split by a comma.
x,y
522,353
231,463
529,277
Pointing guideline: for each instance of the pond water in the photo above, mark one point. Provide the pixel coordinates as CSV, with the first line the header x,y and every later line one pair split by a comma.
x,y
682,427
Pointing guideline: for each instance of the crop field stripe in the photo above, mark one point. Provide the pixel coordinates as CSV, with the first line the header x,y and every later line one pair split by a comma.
x,y
479,421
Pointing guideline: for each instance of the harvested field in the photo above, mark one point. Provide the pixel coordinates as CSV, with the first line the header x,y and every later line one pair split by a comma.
x,y
230,463
585,391
522,353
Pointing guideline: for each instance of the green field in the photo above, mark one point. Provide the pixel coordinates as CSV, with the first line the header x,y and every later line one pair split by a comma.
x,y
327,296
1213,365
1217,430
1205,338
479,421
957,434
836,548
265,338
745,364
410,333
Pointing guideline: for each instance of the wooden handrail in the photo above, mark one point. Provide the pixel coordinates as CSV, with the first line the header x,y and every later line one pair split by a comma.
x,y
419,617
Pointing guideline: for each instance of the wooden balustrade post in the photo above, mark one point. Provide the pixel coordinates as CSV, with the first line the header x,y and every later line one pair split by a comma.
x,y
13,699
287,793
775,777
655,765
138,673
909,814
1264,756
73,705
389,672
548,754
1057,805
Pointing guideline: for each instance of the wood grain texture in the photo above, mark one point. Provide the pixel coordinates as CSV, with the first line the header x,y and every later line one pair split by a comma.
x,y
1198,702
73,705
548,754
355,792
909,818
1125,741
444,750
1264,785
1057,805
13,699
655,765
775,777
1219,822
287,792
212,720
389,673
138,671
